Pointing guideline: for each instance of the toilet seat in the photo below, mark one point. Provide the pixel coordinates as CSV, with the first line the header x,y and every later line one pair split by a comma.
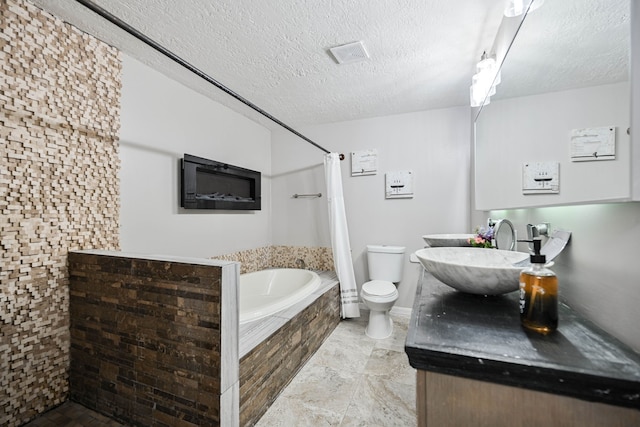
x,y
379,291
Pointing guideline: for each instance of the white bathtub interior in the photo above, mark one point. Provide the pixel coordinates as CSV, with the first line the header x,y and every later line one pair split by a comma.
x,y
254,332
263,293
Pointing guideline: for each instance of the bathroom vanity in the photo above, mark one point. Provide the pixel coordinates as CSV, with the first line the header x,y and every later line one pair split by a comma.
x,y
477,365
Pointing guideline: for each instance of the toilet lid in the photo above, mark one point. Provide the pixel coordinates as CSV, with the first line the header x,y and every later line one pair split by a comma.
x,y
379,288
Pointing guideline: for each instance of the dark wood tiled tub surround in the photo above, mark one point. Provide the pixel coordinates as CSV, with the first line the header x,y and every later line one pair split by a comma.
x,y
147,343
479,338
147,337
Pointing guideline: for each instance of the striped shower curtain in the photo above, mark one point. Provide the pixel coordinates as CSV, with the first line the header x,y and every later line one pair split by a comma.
x,y
343,264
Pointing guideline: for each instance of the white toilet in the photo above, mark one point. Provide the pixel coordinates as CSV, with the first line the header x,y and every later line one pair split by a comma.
x,y
380,293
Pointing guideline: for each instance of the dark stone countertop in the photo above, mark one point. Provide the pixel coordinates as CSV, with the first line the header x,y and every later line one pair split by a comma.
x,y
480,337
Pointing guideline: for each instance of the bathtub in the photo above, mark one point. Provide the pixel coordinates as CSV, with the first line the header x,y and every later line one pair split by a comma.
x,y
272,350
263,293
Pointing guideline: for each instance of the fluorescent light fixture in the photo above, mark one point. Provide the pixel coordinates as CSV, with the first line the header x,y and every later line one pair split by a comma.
x,y
483,83
518,7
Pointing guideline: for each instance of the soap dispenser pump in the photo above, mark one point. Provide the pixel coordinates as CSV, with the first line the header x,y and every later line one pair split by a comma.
x,y
538,294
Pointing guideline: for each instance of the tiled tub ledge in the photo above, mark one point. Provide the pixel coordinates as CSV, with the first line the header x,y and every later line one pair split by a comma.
x,y
159,257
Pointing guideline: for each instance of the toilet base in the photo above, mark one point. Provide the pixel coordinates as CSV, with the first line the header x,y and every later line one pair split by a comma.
x,y
380,325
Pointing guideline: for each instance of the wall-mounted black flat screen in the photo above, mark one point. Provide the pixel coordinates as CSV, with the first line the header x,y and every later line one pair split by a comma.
x,y
208,184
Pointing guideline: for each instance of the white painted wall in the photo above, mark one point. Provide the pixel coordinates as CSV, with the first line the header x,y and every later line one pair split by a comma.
x,y
635,98
162,120
433,144
599,271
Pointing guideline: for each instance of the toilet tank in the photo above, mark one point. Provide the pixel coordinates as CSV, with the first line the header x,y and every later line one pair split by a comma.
x,y
385,262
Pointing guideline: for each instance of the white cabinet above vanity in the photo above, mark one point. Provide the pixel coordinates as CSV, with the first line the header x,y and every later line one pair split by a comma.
x,y
563,93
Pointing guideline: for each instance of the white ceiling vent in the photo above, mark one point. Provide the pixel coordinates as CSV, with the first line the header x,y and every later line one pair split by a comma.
x,y
351,52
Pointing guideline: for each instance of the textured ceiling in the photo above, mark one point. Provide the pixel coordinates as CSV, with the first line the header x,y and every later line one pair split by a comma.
x,y
568,44
275,53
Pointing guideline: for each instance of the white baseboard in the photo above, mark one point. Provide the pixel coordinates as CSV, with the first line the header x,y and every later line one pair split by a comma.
x,y
400,311
395,311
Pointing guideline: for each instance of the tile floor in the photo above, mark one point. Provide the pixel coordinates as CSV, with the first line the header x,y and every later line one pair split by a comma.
x,y
71,414
352,380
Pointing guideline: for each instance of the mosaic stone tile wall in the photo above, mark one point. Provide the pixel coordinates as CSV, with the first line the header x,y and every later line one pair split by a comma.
x,y
272,364
59,121
315,258
146,340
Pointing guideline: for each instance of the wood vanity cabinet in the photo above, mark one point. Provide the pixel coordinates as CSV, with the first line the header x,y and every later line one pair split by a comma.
x,y
446,400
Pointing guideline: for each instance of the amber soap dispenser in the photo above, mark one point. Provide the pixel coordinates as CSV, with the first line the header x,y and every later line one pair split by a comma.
x,y
538,295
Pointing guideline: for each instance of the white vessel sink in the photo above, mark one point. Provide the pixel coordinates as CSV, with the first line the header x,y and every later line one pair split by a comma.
x,y
448,240
474,270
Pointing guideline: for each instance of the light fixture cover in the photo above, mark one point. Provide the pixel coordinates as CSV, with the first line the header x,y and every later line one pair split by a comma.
x,y
477,99
518,7
483,83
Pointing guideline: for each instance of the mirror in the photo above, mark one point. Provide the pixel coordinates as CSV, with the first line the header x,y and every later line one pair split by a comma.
x,y
567,70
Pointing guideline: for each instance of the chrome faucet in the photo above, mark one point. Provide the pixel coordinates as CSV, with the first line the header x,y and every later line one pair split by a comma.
x,y
301,264
537,230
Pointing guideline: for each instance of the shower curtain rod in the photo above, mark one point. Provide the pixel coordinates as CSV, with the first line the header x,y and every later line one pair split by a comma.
x,y
149,42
